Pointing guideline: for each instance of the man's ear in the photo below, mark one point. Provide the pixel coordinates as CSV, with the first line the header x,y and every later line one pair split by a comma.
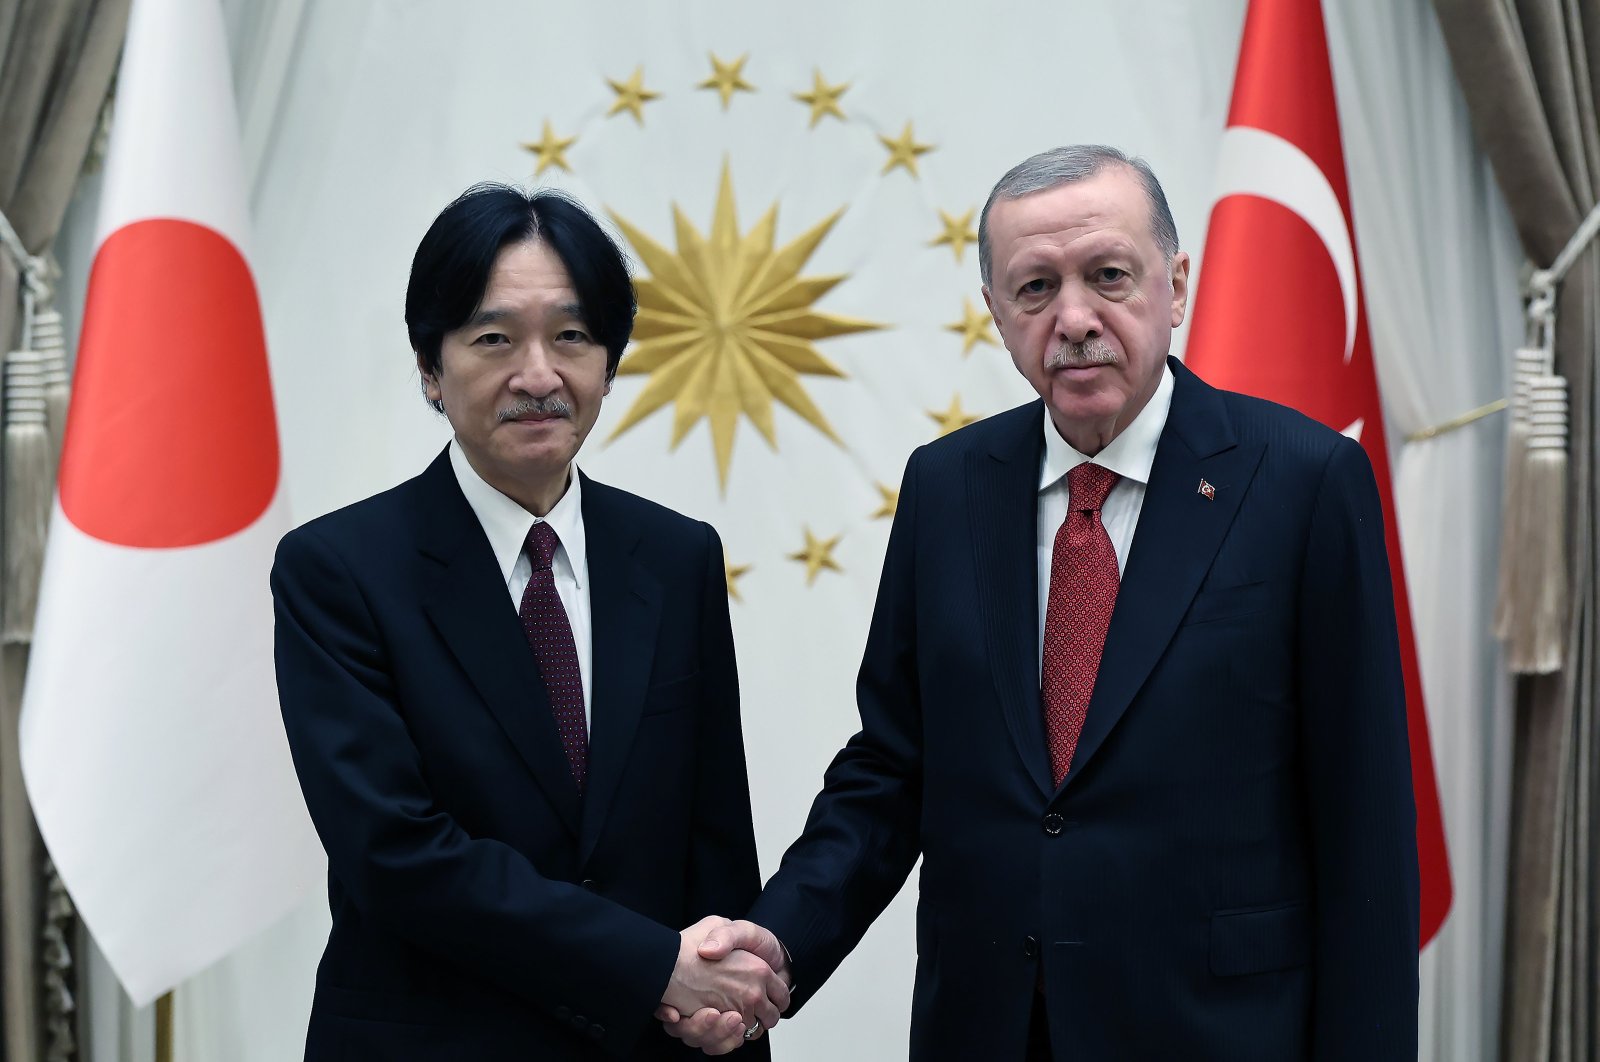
x,y
988,302
430,383
1179,276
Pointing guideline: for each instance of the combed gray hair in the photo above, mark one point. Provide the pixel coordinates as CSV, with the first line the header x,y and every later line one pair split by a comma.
x,y
1065,165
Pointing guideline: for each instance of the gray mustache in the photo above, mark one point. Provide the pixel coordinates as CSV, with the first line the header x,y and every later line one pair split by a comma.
x,y
1094,351
551,406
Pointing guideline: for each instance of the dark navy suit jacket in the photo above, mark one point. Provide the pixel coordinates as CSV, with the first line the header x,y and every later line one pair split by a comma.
x,y
1229,872
481,909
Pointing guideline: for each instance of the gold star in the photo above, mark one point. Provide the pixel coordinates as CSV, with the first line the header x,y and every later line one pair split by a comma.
x,y
817,555
727,325
891,501
903,151
727,78
551,149
953,418
823,98
973,328
957,232
732,572
631,95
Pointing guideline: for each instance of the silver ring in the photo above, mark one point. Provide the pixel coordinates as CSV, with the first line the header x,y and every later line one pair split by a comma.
x,y
754,1030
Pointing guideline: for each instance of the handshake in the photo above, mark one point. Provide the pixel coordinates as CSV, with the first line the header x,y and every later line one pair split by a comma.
x,y
731,982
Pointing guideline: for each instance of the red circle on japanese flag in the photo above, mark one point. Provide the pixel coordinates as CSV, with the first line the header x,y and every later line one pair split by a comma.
x,y
171,438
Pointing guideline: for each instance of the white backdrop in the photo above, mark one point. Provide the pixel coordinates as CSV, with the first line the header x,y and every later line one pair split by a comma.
x,y
1439,256
362,118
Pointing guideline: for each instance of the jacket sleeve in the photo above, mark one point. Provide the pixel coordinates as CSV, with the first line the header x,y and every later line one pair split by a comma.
x,y
861,838
408,866
724,877
1357,777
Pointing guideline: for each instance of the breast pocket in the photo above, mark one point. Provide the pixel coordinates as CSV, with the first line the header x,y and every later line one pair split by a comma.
x,y
673,695
1214,604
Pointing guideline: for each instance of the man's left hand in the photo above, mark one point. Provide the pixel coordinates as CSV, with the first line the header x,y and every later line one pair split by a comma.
x,y
719,1032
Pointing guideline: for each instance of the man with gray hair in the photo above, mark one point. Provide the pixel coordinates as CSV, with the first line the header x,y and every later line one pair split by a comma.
x,y
1132,691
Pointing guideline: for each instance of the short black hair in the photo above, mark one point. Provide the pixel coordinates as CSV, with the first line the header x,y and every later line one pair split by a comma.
x,y
450,270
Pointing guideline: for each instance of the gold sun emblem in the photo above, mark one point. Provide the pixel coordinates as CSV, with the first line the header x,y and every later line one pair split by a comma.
x,y
726,326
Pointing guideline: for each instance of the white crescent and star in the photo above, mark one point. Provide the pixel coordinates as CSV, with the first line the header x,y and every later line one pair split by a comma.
x,y
1256,162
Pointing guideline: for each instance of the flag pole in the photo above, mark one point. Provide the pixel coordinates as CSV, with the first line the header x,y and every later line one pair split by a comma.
x,y
164,1028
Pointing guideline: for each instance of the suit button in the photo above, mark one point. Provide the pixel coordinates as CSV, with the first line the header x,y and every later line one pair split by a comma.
x,y
597,1032
591,884
1053,823
1030,947
579,1022
563,1013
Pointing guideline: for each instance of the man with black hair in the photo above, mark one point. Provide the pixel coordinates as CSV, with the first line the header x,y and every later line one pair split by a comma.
x,y
511,696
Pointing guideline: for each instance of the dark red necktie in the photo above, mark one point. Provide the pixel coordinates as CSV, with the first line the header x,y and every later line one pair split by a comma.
x,y
549,633
1083,591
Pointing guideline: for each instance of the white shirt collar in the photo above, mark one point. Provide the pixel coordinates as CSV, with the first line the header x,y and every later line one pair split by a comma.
x,y
507,523
1129,455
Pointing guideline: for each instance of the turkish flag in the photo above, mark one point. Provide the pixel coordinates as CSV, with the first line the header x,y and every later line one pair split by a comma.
x,y
1278,309
152,747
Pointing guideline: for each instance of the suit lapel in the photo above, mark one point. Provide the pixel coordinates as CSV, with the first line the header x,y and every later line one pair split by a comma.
x,y
1003,503
1179,532
468,605
625,609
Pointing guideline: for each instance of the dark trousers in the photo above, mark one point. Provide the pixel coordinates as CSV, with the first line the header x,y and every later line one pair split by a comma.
x,y
1038,1033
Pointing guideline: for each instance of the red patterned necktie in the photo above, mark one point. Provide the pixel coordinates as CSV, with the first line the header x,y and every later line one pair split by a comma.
x,y
1083,591
549,633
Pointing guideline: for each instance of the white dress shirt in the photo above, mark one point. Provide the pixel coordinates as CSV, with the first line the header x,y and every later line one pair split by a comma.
x,y
1129,455
506,523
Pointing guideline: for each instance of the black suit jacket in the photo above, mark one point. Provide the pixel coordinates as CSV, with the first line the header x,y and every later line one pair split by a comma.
x,y
1229,871
481,909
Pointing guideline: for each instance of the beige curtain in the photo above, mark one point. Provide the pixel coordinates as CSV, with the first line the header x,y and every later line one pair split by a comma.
x,y
1528,69
57,58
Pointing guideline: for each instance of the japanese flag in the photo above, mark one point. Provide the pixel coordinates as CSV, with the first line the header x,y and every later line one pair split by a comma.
x,y
151,744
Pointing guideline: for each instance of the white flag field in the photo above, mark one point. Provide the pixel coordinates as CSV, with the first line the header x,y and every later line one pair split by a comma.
x,y
151,745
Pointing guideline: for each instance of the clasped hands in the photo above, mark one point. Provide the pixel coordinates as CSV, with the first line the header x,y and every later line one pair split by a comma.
x,y
730,977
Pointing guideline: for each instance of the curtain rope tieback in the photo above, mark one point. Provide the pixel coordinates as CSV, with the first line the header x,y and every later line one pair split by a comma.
x,y
35,267
1470,417
36,272
1543,281
1531,606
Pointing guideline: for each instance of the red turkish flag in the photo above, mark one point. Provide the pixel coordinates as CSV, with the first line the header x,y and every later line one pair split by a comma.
x,y
1283,210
